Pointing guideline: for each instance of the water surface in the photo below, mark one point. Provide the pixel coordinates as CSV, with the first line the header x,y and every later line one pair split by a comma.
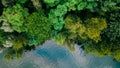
x,y
51,55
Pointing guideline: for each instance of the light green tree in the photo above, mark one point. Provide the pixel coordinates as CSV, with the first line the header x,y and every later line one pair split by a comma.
x,y
15,16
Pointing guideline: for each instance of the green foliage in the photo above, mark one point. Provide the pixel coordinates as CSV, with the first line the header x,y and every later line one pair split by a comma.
x,y
37,4
41,26
61,39
93,23
116,55
19,42
21,1
109,44
90,29
7,3
75,27
56,16
107,5
11,54
81,4
15,16
113,30
3,37
103,48
99,49
51,3
94,26
8,57
32,40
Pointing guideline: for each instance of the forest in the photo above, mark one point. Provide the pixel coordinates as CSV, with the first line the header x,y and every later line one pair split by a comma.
x,y
94,24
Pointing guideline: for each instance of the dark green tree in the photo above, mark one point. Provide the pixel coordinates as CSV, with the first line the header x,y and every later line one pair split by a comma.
x,y
38,28
113,30
3,37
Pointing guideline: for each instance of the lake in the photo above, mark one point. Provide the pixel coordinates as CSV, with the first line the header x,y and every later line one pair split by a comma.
x,y
51,55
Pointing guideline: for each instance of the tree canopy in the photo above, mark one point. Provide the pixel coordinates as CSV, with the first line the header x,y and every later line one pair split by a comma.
x,y
94,24
38,27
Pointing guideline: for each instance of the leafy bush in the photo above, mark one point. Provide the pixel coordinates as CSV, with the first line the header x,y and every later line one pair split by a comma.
x,y
81,4
93,23
102,48
3,37
57,15
90,29
41,27
107,5
13,54
15,16
75,27
19,42
94,27
61,39
113,30
51,3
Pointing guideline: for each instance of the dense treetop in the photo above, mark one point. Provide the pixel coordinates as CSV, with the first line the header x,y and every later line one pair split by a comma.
x,y
94,24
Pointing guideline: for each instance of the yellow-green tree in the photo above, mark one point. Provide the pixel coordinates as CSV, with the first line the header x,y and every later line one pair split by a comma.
x,y
90,28
94,27
61,39
75,27
19,42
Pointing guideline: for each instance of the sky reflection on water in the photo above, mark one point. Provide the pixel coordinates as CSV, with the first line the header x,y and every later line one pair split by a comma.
x,y
51,55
